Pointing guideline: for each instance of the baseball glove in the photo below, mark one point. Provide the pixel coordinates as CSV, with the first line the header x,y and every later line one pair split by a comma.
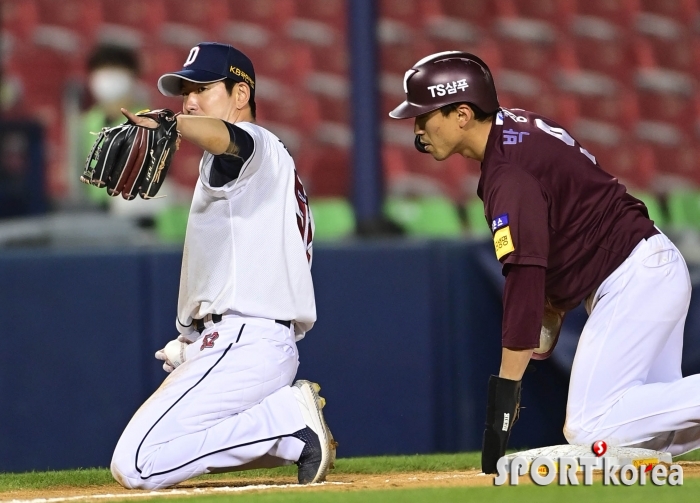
x,y
130,159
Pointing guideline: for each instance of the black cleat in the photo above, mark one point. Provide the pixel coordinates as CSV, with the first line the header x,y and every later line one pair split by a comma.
x,y
311,457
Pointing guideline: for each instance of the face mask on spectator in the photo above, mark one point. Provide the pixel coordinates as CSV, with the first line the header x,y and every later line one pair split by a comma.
x,y
109,85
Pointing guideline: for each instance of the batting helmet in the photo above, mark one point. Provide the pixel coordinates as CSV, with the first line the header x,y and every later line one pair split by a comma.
x,y
445,78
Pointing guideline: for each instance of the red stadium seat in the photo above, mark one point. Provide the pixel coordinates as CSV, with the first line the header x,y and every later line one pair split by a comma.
x,y
332,93
247,35
682,161
666,96
209,15
36,85
411,12
19,17
147,17
273,14
684,11
289,62
557,12
334,109
620,108
619,12
80,16
480,12
615,57
332,12
332,59
329,172
410,173
326,42
669,42
668,107
675,154
452,33
682,54
158,59
488,50
397,58
633,164
527,45
293,108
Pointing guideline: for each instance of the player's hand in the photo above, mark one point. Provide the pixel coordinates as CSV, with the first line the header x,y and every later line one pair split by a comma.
x,y
141,121
167,365
173,354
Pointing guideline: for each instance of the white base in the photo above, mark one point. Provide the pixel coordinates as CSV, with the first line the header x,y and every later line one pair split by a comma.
x,y
619,456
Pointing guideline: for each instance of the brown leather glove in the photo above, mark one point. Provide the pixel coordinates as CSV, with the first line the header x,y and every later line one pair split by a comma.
x,y
133,160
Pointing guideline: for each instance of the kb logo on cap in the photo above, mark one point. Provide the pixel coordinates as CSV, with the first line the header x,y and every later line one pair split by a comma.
x,y
240,73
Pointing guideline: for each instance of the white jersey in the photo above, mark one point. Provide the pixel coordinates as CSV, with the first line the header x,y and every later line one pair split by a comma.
x,y
248,246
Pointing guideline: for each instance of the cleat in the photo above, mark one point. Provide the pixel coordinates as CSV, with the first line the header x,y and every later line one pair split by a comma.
x,y
319,449
316,387
333,445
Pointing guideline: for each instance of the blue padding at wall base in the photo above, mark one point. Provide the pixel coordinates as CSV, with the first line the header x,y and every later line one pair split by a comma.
x,y
407,336
70,368
371,348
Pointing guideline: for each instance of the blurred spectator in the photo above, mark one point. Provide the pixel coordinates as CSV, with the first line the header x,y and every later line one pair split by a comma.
x,y
113,84
112,76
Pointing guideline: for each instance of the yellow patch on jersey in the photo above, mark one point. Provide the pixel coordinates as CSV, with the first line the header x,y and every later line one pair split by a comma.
x,y
503,242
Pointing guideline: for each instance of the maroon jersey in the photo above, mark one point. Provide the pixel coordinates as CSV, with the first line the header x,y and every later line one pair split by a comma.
x,y
551,205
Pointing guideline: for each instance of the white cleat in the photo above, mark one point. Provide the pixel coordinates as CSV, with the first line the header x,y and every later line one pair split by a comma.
x,y
318,455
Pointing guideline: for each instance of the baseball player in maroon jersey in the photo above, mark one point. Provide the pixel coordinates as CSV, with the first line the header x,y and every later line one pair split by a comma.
x,y
565,232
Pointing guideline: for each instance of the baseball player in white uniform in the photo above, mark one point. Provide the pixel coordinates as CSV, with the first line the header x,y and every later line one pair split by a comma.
x,y
246,297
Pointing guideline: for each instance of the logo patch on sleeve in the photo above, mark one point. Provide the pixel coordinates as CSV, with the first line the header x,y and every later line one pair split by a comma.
x,y
499,222
503,242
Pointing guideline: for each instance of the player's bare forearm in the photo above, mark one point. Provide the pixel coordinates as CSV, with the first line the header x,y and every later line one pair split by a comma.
x,y
514,362
208,133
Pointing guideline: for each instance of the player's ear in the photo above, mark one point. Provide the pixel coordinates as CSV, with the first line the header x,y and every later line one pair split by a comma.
x,y
464,114
242,93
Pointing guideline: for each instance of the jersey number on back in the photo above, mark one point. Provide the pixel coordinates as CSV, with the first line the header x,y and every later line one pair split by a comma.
x,y
304,217
562,135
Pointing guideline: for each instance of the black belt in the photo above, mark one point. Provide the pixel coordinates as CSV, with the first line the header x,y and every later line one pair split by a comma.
x,y
216,318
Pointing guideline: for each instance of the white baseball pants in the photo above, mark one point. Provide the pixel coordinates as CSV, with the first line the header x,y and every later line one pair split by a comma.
x,y
626,385
227,407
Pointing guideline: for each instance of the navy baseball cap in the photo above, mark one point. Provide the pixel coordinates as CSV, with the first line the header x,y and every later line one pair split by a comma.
x,y
210,62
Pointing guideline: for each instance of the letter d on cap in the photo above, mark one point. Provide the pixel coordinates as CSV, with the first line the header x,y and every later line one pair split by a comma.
x,y
192,56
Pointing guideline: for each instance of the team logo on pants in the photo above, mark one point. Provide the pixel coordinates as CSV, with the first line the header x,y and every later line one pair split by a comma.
x,y
208,341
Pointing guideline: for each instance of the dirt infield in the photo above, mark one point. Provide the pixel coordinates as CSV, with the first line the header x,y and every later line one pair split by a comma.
x,y
340,482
